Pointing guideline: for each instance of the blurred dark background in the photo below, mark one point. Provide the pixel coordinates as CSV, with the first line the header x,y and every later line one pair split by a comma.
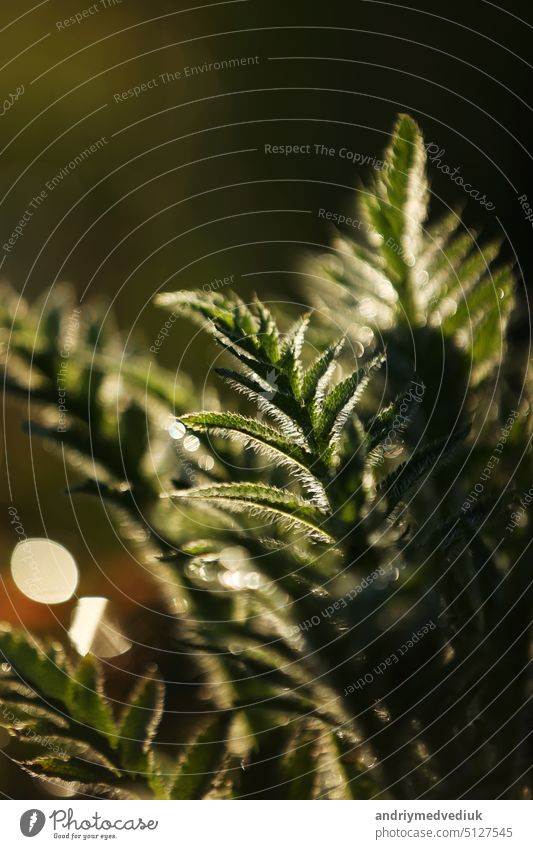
x,y
181,191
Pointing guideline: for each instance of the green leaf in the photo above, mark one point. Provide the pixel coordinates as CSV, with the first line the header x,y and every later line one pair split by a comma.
x,y
253,432
423,462
289,361
441,244
410,278
87,702
202,762
340,402
266,440
397,205
319,371
74,732
269,502
268,332
139,724
391,422
270,399
79,770
463,265
229,316
43,671
27,716
298,767
490,296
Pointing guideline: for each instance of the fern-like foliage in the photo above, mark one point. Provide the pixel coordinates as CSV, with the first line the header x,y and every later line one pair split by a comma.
x,y
341,614
64,724
439,297
56,350
311,417
68,733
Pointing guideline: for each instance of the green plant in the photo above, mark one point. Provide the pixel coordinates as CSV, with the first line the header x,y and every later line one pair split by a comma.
x,y
439,299
354,624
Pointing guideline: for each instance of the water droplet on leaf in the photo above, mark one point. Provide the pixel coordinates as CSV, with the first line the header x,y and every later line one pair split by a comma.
x,y
206,463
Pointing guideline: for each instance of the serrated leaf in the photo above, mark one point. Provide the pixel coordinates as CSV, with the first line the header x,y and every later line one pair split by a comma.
x,y
264,439
250,429
42,671
423,462
490,295
87,702
266,501
289,361
319,370
298,767
439,244
396,205
340,402
27,716
269,398
393,419
74,770
229,316
268,332
202,762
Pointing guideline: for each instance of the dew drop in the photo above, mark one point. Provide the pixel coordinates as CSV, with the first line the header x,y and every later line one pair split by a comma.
x,y
359,349
44,571
191,443
369,760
